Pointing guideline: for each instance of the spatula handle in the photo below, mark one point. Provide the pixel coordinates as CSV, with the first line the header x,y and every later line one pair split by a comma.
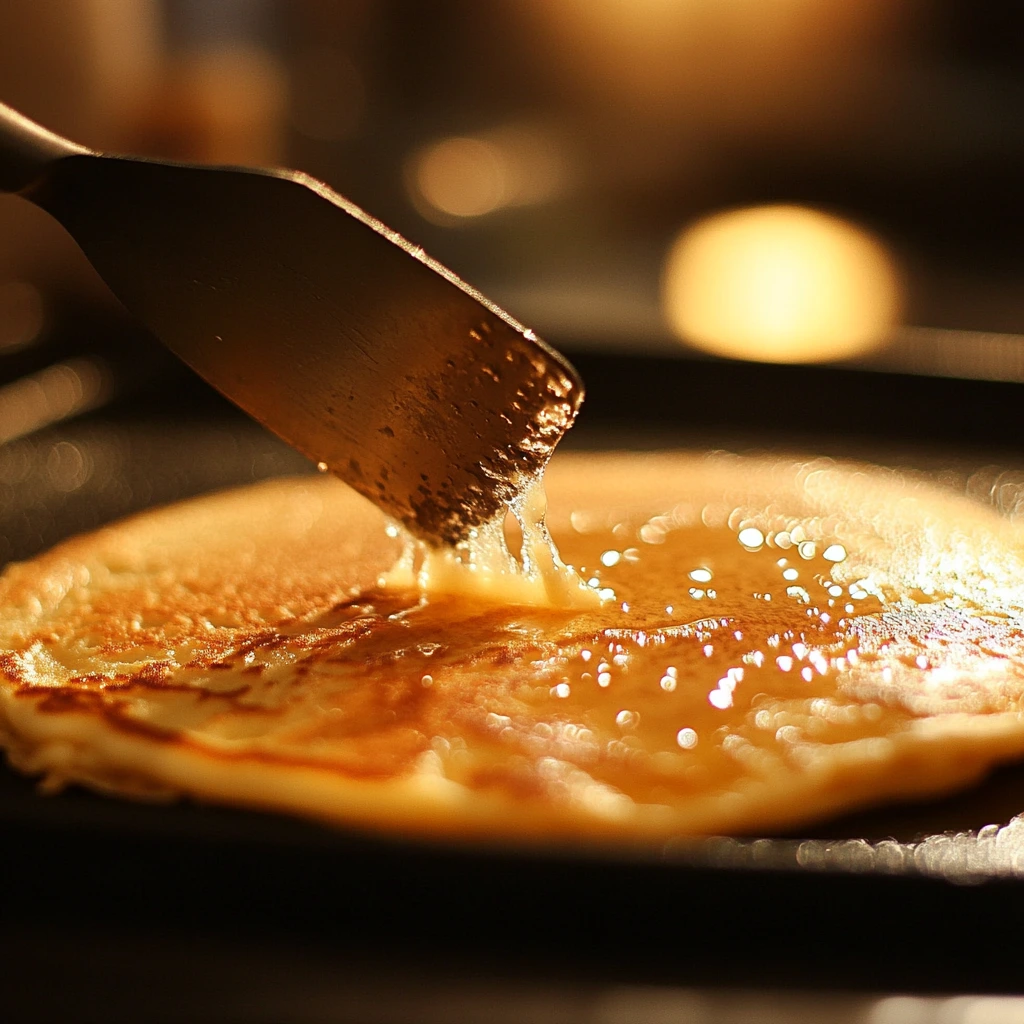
x,y
26,148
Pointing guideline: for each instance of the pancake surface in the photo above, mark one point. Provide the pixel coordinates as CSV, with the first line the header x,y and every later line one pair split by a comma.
x,y
786,641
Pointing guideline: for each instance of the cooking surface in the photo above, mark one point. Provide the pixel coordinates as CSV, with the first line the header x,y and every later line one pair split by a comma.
x,y
255,907
869,902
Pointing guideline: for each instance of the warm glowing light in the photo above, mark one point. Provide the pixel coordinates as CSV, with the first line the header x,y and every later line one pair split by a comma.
x,y
461,177
794,64
68,466
470,176
780,284
49,396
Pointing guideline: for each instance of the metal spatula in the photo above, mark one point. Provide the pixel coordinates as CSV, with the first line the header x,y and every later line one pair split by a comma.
x,y
330,329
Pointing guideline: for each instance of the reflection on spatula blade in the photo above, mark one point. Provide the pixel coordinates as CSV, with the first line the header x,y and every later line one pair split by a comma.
x,y
325,326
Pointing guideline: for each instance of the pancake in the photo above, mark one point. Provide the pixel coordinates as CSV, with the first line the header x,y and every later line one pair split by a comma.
x,y
778,642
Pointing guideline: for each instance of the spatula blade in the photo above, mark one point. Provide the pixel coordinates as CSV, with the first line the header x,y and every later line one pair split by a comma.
x,y
333,331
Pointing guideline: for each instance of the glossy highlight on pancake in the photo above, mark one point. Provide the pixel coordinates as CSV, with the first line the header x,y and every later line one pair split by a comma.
x,y
787,640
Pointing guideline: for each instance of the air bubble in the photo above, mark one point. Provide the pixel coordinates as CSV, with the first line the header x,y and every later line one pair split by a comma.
x,y
686,738
751,538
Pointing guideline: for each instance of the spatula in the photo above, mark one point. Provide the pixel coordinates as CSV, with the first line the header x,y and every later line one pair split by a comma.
x,y
333,331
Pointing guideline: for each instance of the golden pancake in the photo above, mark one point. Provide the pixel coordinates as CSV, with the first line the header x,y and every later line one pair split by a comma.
x,y
785,641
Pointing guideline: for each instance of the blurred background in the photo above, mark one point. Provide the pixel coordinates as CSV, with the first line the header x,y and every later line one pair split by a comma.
x,y
782,224
788,218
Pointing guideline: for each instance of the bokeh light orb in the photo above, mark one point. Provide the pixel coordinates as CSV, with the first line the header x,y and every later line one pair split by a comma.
x,y
782,284
460,177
